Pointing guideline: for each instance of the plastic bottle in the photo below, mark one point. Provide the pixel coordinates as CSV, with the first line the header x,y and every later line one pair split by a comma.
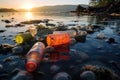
x,y
34,56
58,39
23,37
72,33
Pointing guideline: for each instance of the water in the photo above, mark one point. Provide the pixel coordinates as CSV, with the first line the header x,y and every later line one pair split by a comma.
x,y
90,47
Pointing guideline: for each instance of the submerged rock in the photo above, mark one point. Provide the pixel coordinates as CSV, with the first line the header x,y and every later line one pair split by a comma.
x,y
5,48
7,21
19,25
62,76
1,31
88,75
17,50
54,69
22,75
32,22
81,37
101,72
10,25
111,40
100,36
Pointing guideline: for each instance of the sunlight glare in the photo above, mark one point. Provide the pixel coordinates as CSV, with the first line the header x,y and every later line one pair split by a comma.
x,y
29,15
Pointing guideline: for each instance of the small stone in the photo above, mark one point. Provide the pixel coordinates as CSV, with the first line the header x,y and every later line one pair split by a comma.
x,y
54,69
72,41
100,36
7,21
81,37
8,59
1,31
88,75
23,75
17,50
1,67
62,76
111,40
8,26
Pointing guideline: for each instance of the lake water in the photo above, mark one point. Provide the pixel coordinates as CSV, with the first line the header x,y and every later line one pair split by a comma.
x,y
98,52
66,18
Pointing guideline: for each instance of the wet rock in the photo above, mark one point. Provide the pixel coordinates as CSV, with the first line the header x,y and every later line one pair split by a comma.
x,y
72,41
54,69
111,40
5,48
88,75
62,76
101,73
17,50
19,25
50,24
22,75
8,26
100,36
8,59
115,64
49,49
81,37
7,21
61,28
1,31
1,67
32,22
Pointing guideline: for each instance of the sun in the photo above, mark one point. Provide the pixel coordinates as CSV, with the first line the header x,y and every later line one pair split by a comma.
x,y
28,6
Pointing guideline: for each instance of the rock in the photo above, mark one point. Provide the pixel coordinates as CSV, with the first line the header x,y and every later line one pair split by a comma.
x,y
1,67
50,24
49,49
17,50
5,48
111,40
62,76
8,59
88,75
22,75
8,26
1,31
81,37
32,22
7,21
19,25
100,36
54,69
72,41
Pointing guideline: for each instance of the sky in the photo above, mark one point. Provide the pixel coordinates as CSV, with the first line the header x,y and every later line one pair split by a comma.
x,y
17,4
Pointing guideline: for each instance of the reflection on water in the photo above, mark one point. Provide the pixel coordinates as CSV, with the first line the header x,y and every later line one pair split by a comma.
x,y
29,15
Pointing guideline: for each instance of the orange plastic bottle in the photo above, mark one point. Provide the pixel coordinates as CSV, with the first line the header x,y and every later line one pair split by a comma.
x,y
34,56
58,39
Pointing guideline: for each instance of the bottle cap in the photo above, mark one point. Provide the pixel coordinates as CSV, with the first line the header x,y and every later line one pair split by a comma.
x,y
31,66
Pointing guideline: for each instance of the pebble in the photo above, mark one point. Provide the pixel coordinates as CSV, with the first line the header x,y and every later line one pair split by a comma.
x,y
72,41
81,37
54,69
88,75
17,50
101,36
111,40
10,25
23,75
1,67
62,76
1,31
